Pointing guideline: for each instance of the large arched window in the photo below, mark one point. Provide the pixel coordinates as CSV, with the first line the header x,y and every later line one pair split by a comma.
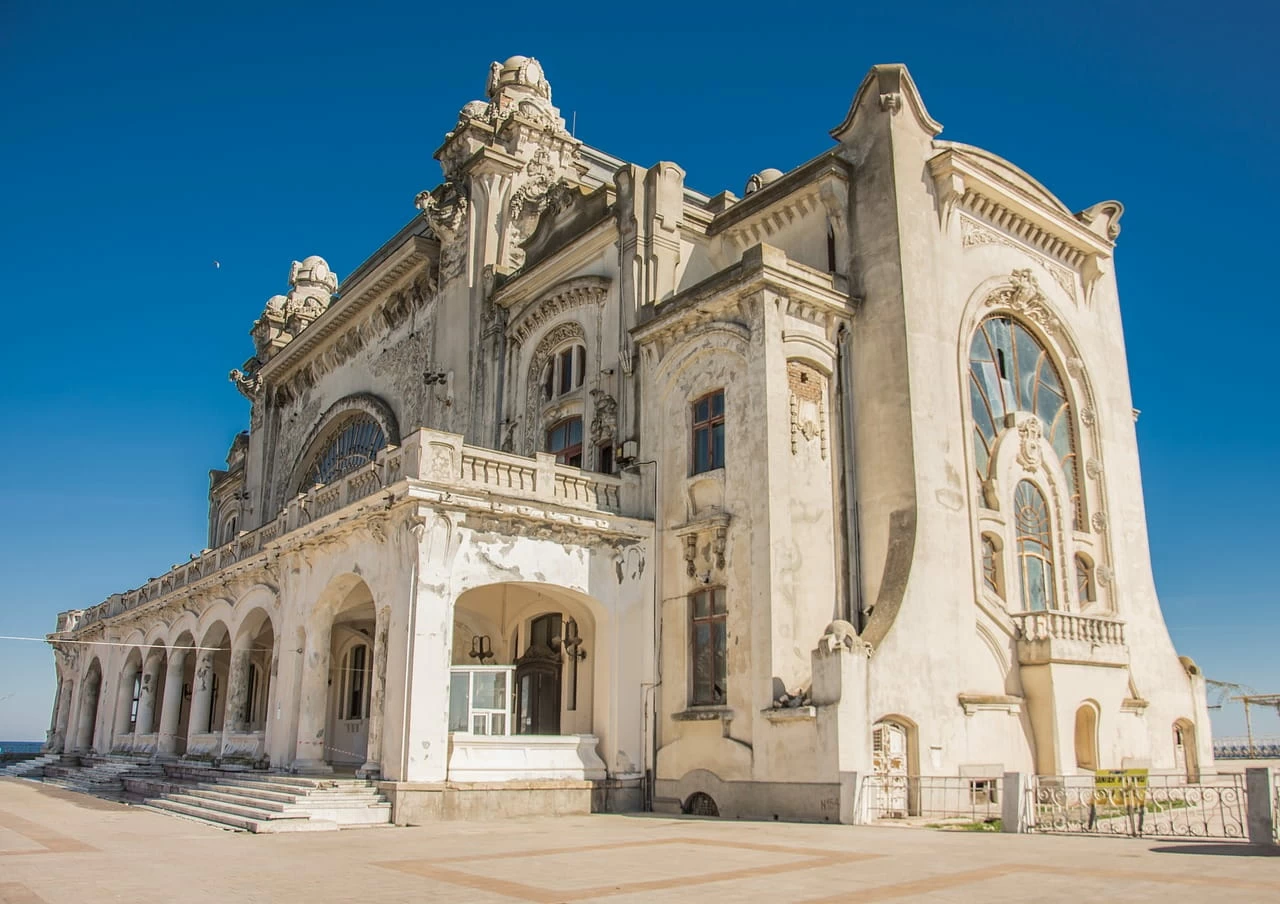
x,y
1010,371
1035,550
357,441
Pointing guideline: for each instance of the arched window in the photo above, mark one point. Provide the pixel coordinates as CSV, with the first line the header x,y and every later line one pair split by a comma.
x,y
357,442
1010,371
564,371
992,573
1035,552
1086,591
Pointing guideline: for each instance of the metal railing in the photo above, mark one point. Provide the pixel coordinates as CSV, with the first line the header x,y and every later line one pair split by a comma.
x,y
1246,748
924,799
1159,805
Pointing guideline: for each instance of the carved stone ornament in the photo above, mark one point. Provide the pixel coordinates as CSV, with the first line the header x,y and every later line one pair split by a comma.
x,y
311,288
446,209
1103,575
1099,520
841,636
604,418
558,335
1088,417
1093,468
891,103
807,390
975,235
1030,434
1023,296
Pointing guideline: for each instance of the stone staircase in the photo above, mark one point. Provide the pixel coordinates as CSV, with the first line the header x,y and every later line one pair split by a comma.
x,y
32,767
263,803
102,776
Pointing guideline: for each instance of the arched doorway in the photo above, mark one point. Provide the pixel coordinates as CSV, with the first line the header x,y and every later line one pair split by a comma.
x,y
350,679
128,697
90,692
894,765
183,648
1086,737
1185,752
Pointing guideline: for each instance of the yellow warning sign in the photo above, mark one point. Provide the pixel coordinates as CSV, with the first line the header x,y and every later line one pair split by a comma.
x,y
1121,787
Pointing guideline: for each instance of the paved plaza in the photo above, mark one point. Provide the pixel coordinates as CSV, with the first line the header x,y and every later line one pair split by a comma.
x,y
58,846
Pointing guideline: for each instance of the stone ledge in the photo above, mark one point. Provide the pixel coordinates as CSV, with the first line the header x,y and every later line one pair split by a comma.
x,y
704,714
974,703
790,714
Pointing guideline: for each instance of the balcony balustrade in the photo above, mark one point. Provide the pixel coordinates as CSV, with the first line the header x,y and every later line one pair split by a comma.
x,y
1070,637
426,456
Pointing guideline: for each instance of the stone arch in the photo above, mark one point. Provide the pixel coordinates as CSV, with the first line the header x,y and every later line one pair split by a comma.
x,y
562,333
717,336
895,761
1186,752
331,423
558,673
89,703
128,694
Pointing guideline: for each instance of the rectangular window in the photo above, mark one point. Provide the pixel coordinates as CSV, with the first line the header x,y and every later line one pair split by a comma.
x,y
707,646
564,439
708,432
604,458
355,698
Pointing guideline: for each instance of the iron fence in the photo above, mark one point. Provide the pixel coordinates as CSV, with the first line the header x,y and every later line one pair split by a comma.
x,y
923,799
1157,805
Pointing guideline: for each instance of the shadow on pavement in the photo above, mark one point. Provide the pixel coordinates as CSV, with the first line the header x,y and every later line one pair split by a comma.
x,y
1221,850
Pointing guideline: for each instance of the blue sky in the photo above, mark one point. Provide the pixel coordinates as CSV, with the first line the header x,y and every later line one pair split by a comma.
x,y
142,142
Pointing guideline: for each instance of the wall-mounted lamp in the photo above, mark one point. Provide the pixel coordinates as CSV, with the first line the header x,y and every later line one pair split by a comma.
x,y
481,649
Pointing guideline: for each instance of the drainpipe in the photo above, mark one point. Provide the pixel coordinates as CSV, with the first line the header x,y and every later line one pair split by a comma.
x,y
849,482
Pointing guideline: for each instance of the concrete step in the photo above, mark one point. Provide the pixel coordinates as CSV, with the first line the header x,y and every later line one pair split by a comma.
x,y
244,823
330,798
235,809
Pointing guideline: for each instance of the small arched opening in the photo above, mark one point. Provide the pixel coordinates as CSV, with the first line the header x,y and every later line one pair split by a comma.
x,y
351,678
1086,738
1185,752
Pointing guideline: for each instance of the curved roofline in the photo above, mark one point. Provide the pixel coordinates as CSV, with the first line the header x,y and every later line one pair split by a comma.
x,y
1002,162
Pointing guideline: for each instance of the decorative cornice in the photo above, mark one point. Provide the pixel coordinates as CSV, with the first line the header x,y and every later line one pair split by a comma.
x,y
358,296
573,293
962,181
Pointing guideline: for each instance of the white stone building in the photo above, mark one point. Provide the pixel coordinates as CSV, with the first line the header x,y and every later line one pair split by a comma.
x,y
588,486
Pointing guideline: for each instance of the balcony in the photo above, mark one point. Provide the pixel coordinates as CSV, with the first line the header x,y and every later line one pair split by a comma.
x,y
429,465
1067,637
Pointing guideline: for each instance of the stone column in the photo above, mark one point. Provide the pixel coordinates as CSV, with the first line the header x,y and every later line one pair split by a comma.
x,y
124,703
313,701
201,697
147,697
233,719
377,695
171,706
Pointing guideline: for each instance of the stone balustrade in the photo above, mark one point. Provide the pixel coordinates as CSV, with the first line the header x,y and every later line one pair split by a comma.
x,y
426,456
1070,637
1069,626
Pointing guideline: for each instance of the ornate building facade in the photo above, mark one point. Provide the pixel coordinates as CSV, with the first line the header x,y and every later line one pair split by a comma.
x,y
587,481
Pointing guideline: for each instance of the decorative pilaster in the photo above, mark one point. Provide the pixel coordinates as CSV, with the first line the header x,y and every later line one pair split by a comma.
x,y
171,705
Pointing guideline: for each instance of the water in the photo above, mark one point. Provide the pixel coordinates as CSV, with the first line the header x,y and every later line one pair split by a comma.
x,y
20,746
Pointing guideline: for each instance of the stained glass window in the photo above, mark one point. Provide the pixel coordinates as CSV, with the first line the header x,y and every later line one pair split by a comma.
x,y
1035,552
1010,371
357,443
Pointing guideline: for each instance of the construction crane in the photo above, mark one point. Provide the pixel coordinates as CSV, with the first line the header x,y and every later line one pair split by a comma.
x,y
1256,700
1241,693
1225,690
